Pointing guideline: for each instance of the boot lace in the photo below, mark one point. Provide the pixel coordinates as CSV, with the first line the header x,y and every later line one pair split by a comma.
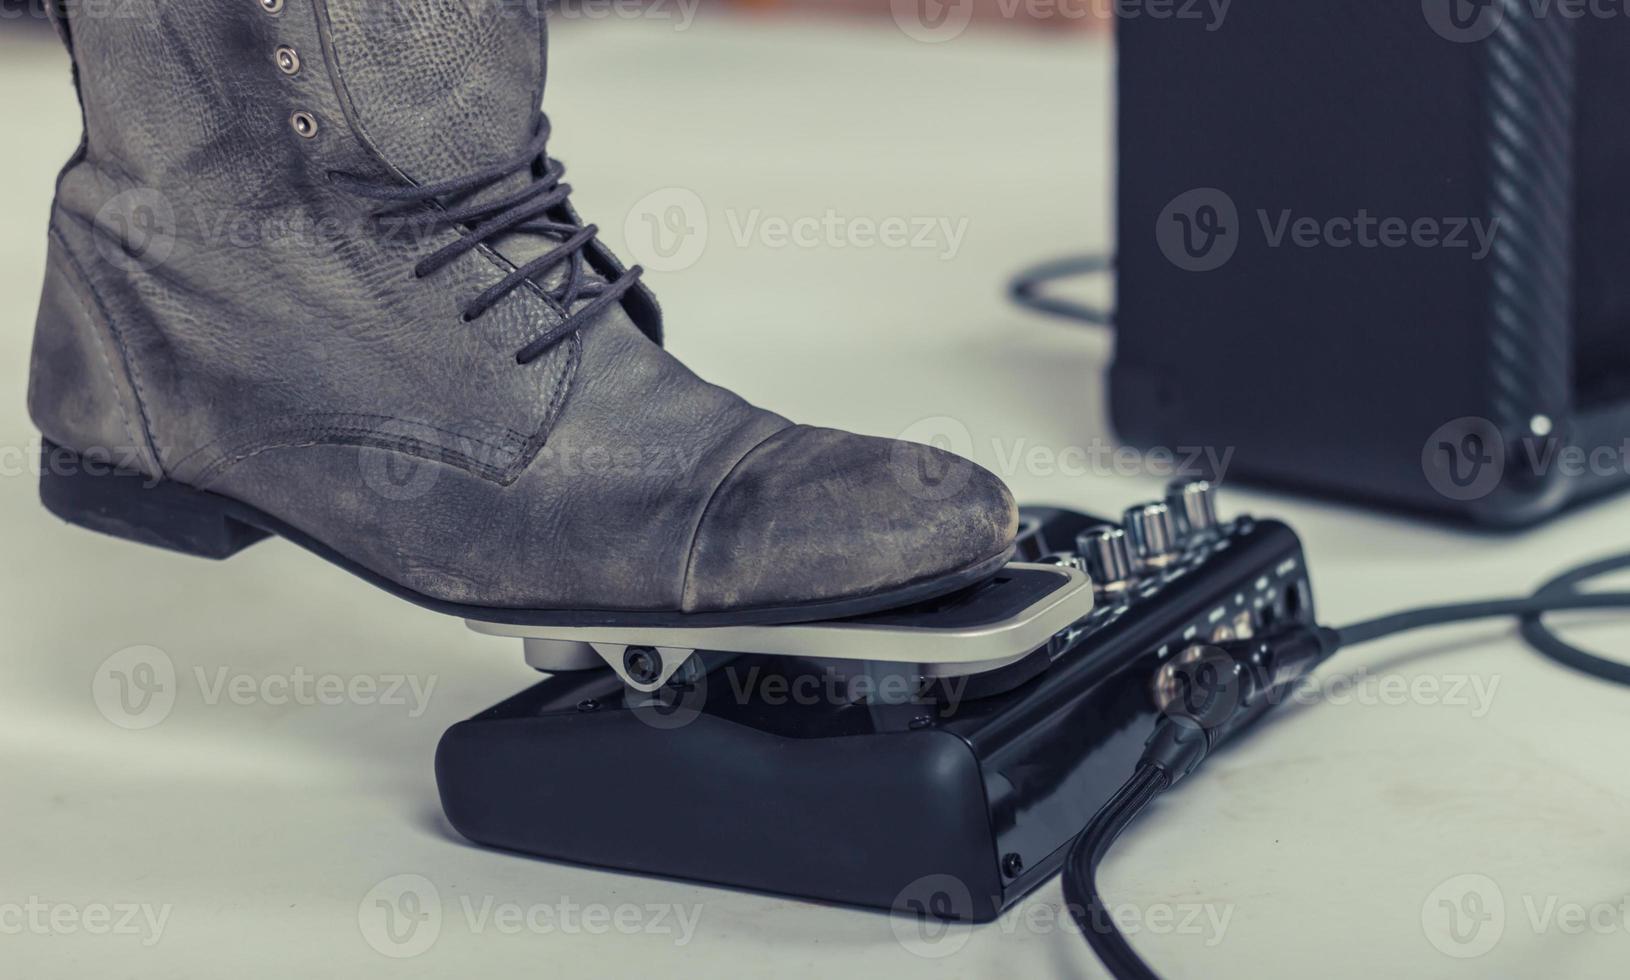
x,y
526,210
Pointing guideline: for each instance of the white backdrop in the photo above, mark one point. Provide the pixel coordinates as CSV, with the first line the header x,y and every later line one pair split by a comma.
x,y
252,827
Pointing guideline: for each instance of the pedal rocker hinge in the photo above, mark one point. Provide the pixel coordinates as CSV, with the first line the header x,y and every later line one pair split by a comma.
x,y
1017,615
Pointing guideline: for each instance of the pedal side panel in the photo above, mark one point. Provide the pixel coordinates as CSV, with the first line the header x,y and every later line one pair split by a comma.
x,y
724,804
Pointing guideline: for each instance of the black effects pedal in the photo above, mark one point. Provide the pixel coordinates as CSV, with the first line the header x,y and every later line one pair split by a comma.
x,y
972,737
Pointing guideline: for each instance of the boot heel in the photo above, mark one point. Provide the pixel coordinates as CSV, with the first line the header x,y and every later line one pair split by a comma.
x,y
135,507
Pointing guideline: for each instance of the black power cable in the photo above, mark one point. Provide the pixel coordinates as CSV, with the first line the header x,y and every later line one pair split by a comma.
x,y
1261,671
1026,288
1542,638
1081,888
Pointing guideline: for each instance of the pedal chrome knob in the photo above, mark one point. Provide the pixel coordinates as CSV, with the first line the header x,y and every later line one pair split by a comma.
x,y
1107,556
1156,539
1195,504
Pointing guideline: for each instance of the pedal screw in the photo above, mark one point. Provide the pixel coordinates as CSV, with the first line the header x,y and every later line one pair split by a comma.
x,y
642,664
922,721
589,705
1012,865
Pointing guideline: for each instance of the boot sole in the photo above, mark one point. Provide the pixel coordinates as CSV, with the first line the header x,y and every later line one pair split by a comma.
x,y
176,517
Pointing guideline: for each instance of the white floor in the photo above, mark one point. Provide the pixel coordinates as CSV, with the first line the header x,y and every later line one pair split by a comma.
x,y
259,836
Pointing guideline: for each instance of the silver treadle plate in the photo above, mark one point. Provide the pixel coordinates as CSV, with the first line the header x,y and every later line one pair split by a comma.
x,y
942,651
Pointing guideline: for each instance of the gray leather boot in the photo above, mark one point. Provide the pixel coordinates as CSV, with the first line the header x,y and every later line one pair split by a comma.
x,y
313,274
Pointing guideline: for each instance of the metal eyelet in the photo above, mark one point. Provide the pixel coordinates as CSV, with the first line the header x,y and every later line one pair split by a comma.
x,y
288,60
272,6
305,124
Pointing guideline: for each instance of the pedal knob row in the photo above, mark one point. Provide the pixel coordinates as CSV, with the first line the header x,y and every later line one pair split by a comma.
x,y
1156,539
1107,555
1195,504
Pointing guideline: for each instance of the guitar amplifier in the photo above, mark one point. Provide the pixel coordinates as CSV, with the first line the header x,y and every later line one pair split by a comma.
x,y
1381,250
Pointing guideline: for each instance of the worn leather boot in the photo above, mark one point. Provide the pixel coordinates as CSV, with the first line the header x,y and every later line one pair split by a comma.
x,y
313,274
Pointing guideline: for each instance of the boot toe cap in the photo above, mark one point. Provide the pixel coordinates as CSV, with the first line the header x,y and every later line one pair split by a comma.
x,y
816,515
